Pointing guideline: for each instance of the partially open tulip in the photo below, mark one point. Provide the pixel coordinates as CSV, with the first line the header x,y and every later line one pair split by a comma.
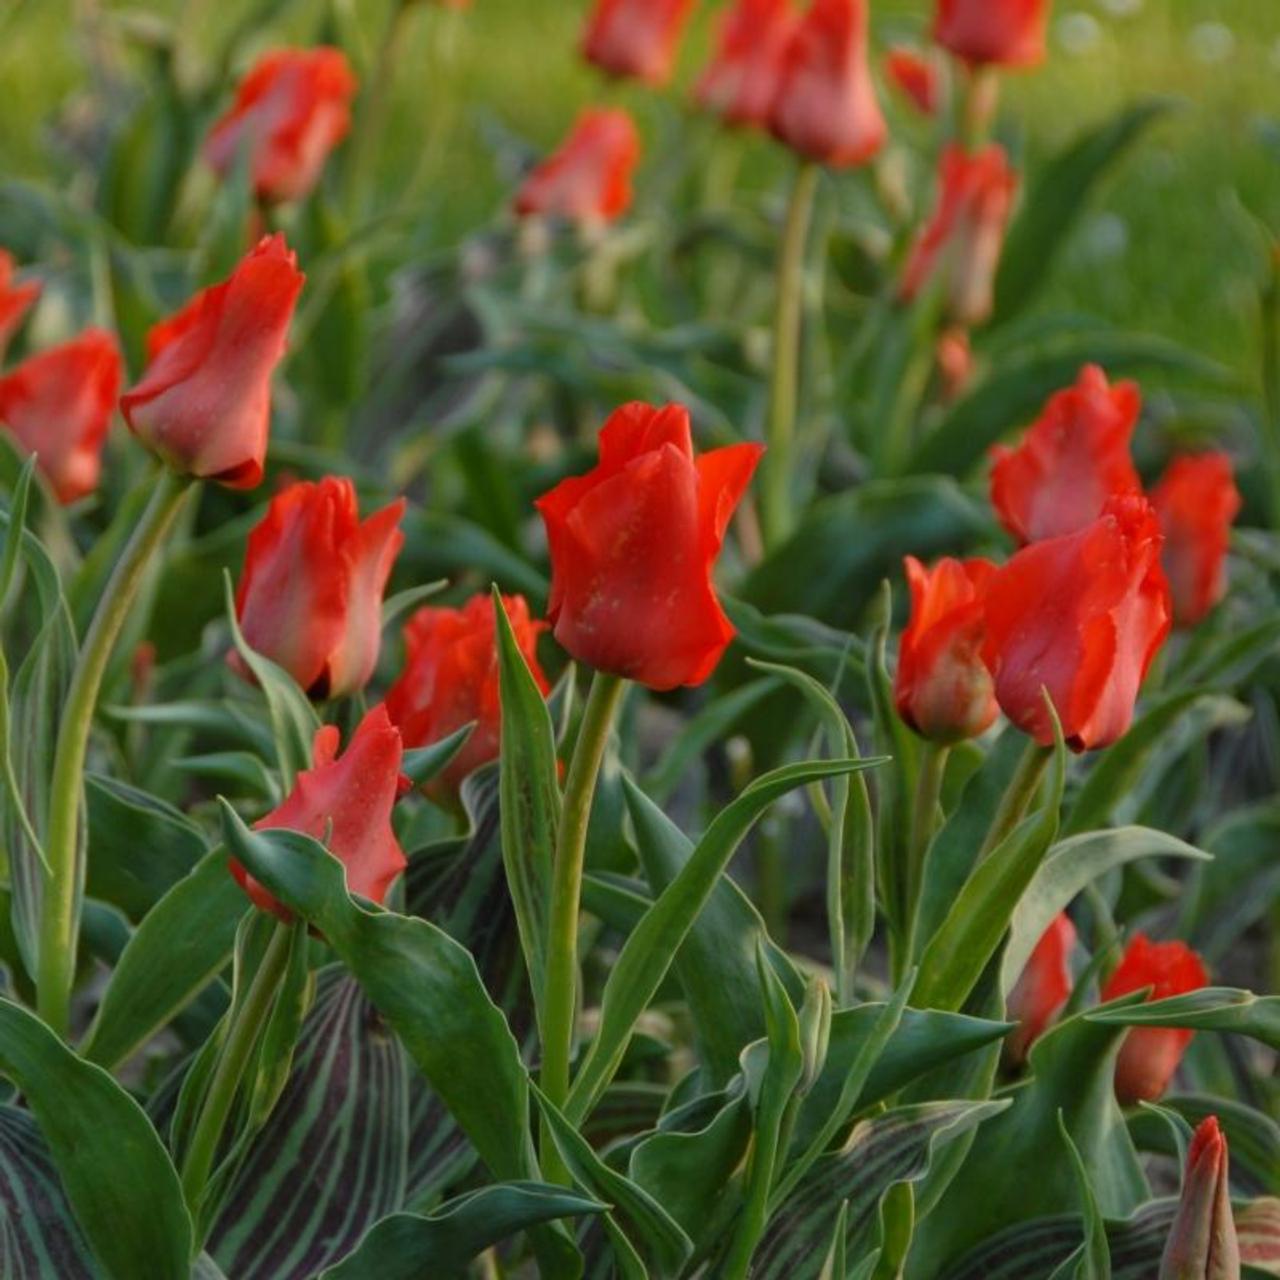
x,y
204,402
450,679
15,300
290,111
1202,1243
636,38
632,546
1196,501
740,82
963,238
826,106
1150,1055
1071,461
1081,616
588,180
344,801
917,75
310,595
942,689
1008,33
1042,987
58,405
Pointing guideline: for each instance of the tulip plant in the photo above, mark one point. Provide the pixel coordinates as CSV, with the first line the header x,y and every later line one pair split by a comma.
x,y
686,737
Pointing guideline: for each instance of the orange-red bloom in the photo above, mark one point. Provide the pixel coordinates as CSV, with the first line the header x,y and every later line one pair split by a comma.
x,y
1071,461
740,81
589,178
1009,33
204,402
1042,987
310,595
1203,1244
450,678
1196,501
964,236
637,38
826,106
345,801
290,111
917,75
58,405
942,689
1082,616
1150,1055
15,300
632,546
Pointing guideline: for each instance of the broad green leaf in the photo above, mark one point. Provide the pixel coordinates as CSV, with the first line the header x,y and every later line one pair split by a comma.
x,y
1092,1261
421,764
1258,1233
1209,1009
123,1188
837,658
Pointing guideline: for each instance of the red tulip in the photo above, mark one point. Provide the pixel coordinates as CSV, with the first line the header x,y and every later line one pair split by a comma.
x,y
204,402
954,355
964,237
1150,1055
740,82
636,38
290,111
1202,1243
1082,616
310,596
917,75
58,404
1009,33
589,178
450,678
632,546
1071,461
942,689
15,300
1196,501
1042,987
826,106
345,801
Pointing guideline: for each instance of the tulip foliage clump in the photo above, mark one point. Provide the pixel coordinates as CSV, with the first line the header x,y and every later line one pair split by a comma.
x,y
694,730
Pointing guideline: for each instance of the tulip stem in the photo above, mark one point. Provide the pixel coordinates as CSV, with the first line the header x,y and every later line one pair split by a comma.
x,y
559,1002
246,1023
1018,795
924,812
776,466
60,904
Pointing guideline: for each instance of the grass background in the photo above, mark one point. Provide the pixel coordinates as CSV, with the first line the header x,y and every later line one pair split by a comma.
x,y
1173,246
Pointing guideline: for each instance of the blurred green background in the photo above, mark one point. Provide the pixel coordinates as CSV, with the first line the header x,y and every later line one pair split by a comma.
x,y
1176,244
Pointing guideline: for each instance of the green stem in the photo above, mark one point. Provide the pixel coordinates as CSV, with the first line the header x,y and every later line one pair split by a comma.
x,y
60,906
981,98
246,1024
776,465
933,767
559,1002
1018,795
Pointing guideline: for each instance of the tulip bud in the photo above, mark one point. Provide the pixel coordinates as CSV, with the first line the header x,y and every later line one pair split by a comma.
x,y
815,1031
1202,1244
1042,988
15,300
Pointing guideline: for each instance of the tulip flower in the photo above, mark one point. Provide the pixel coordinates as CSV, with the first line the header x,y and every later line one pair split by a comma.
x,y
964,237
953,354
1202,1243
15,300
1083,616
1150,1055
1008,33
1071,461
1196,501
636,38
632,546
917,75
345,801
204,401
942,689
450,679
740,82
588,180
290,111
826,106
58,405
310,595
1042,987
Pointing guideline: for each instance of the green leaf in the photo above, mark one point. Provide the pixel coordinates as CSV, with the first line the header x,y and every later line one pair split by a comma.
x,y
837,658
1209,1009
421,764
1092,1261
120,1182
395,606
1238,886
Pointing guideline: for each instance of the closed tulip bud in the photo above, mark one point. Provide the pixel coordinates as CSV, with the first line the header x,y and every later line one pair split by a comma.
x,y
1042,987
15,300
1007,33
1202,1244
1073,458
740,82
917,75
636,38
815,1031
